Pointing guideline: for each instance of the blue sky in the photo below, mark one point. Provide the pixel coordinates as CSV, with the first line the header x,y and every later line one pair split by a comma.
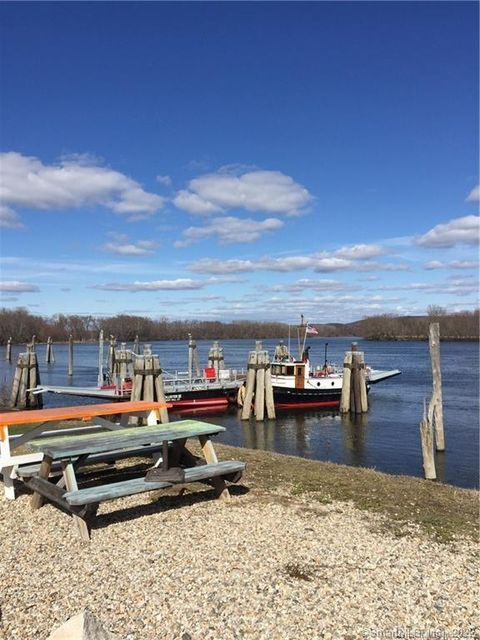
x,y
239,160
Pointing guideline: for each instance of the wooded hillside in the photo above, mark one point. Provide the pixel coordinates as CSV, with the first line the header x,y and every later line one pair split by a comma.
x,y
20,325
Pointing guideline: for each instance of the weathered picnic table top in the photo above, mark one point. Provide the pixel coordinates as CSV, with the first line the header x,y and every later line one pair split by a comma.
x,y
71,446
79,412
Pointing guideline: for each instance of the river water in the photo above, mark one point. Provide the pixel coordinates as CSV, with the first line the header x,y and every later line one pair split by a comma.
x,y
387,438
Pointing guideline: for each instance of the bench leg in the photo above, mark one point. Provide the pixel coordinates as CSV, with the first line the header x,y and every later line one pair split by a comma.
x,y
8,486
45,468
219,485
71,485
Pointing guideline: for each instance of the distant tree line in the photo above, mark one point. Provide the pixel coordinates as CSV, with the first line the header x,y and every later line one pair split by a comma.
x,y
20,325
454,326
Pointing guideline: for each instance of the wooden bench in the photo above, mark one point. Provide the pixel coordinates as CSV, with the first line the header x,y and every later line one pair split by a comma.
x,y
44,421
74,452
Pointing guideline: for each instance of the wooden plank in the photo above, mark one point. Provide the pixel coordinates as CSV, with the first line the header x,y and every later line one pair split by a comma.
x,y
138,485
45,467
211,458
71,485
58,448
83,412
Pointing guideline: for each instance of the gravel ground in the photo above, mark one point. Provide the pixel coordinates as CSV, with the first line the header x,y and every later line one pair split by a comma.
x,y
265,566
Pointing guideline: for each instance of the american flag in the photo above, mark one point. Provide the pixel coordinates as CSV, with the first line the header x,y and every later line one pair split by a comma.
x,y
311,331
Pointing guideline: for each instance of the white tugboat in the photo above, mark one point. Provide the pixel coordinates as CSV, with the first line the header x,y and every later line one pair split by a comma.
x,y
298,384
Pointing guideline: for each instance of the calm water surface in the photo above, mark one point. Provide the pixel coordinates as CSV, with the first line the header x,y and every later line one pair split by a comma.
x,y
386,439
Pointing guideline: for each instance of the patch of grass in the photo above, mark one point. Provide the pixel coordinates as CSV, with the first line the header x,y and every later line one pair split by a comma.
x,y
443,511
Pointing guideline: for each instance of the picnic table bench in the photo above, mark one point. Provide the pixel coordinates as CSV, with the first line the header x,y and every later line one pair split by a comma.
x,y
46,420
75,451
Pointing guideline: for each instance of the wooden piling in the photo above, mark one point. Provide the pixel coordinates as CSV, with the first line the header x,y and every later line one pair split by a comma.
x,y
192,358
250,385
26,377
111,357
215,357
354,388
426,437
148,381
70,355
100,359
269,400
8,351
346,379
49,354
434,343
258,386
123,364
136,345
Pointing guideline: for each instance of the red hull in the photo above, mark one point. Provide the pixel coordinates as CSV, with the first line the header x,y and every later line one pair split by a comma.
x,y
306,405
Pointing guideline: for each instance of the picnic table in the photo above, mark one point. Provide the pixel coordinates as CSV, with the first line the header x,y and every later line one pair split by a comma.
x,y
50,418
74,452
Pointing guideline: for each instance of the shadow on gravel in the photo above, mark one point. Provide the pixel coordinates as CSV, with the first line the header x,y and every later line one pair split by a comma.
x,y
162,503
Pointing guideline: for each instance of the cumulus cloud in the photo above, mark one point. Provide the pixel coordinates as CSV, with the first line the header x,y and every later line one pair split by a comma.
x,y
474,195
320,262
270,192
361,251
26,182
121,245
229,229
15,286
457,231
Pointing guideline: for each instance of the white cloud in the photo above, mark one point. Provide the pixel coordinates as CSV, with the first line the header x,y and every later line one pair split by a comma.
x,y
179,284
121,245
361,251
71,183
165,180
15,286
9,219
457,231
229,229
454,264
269,192
321,262
314,285
474,195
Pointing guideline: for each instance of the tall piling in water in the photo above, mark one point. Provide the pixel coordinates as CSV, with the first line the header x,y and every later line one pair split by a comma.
x,y
49,354
26,377
70,355
354,397
258,386
8,350
437,399
192,358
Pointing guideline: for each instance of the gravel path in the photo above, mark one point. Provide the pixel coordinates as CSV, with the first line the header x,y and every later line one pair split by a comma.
x,y
265,566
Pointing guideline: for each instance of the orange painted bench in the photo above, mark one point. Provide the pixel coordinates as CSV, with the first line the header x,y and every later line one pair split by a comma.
x,y
51,417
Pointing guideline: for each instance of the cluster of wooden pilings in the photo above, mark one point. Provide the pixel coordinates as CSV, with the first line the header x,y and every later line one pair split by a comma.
x,y
354,386
258,389
26,377
215,357
431,426
148,381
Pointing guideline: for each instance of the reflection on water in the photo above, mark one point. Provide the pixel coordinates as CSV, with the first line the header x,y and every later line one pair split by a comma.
x,y
387,438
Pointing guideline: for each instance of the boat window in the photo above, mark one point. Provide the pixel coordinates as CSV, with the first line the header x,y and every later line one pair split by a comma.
x,y
290,371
